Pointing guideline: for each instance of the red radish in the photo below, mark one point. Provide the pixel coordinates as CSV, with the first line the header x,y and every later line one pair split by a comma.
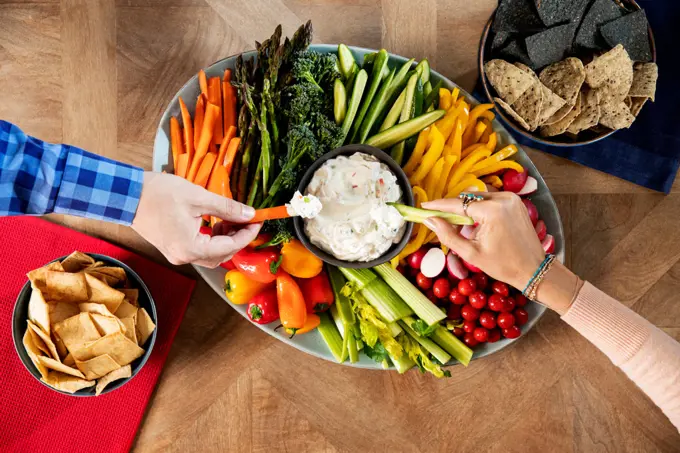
x,y
512,332
453,312
520,300
470,340
469,326
401,269
500,288
548,243
459,332
505,320
423,281
495,302
416,258
530,187
478,299
471,267
433,263
469,313
487,319
521,316
513,181
481,334
531,208
455,267
457,298
494,335
482,280
508,304
441,288
467,286
541,230
468,231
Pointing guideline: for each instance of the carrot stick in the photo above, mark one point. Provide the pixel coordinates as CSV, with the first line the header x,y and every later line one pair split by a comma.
x,y
278,212
228,136
182,165
188,130
211,115
231,153
229,101
198,118
203,82
206,168
175,141
219,182
215,97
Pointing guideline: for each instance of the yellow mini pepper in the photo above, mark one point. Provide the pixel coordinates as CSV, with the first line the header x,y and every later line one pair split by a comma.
x,y
298,261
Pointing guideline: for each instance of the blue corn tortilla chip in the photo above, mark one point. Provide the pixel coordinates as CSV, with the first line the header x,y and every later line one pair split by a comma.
x,y
515,52
553,12
500,39
631,31
551,45
600,12
516,16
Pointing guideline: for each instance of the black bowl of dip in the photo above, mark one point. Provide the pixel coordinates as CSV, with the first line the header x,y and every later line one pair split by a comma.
x,y
406,198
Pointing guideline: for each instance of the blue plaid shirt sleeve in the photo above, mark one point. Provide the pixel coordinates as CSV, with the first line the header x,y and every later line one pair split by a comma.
x,y
39,178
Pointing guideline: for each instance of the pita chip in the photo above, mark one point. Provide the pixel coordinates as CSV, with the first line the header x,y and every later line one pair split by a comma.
x,y
120,373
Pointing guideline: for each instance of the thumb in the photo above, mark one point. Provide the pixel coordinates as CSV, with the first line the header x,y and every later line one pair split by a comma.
x,y
448,236
222,207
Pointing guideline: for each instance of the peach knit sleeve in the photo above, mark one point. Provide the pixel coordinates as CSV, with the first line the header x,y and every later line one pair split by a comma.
x,y
646,354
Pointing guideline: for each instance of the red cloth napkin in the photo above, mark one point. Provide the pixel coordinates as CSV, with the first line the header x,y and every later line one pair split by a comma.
x,y
33,417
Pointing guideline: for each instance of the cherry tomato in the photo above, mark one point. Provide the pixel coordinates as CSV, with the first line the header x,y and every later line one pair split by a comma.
x,y
521,300
500,288
481,334
469,313
478,299
457,298
459,332
521,316
512,332
423,282
442,288
469,326
508,304
453,312
470,340
416,258
482,280
430,295
487,319
494,335
467,286
495,302
505,320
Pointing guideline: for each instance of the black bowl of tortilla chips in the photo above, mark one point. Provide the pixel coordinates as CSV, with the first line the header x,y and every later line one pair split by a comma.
x,y
568,72
84,324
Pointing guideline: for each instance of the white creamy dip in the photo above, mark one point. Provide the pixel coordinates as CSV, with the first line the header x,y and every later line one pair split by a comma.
x,y
306,206
355,223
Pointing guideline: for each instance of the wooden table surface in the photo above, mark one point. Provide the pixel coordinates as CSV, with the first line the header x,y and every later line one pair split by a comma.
x,y
98,74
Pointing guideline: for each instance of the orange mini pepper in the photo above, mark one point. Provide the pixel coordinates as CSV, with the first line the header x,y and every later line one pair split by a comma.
x,y
292,308
312,323
298,261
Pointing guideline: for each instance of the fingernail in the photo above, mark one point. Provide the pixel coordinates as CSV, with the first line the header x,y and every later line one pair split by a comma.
x,y
430,223
248,212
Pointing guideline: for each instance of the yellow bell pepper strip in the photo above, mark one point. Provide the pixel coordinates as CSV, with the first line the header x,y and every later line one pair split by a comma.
x,y
489,115
465,185
311,323
493,140
449,162
292,309
478,110
417,153
421,230
487,131
469,134
444,98
298,261
433,177
467,151
506,164
454,95
446,124
465,166
240,289
433,154
496,157
480,127
456,139
494,181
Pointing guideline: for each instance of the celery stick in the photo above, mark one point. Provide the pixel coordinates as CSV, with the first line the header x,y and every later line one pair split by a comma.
x,y
352,348
452,345
331,336
335,314
395,329
421,305
403,363
418,215
342,303
388,303
428,344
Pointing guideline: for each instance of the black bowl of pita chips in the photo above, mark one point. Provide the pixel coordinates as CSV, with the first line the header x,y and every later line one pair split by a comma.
x,y
568,72
84,324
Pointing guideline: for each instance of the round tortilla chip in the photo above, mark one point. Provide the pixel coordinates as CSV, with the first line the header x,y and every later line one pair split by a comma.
x,y
508,80
512,113
561,126
590,112
530,103
564,78
613,68
645,76
616,116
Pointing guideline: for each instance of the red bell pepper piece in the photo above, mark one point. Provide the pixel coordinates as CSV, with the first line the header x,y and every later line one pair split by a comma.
x,y
259,265
228,265
318,292
264,308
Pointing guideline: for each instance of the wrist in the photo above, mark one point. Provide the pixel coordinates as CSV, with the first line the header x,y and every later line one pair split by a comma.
x,y
559,288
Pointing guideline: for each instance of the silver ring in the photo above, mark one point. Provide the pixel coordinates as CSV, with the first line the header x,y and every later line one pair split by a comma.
x,y
467,199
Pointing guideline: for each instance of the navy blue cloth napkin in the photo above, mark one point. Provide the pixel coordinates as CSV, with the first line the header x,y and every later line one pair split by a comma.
x,y
648,153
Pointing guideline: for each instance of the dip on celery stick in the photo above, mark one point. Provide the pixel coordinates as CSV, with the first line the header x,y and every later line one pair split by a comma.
x,y
355,223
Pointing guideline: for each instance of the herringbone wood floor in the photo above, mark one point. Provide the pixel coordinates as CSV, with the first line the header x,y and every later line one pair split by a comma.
x,y
98,73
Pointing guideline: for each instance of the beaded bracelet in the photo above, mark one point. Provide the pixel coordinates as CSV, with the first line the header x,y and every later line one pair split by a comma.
x,y
532,287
